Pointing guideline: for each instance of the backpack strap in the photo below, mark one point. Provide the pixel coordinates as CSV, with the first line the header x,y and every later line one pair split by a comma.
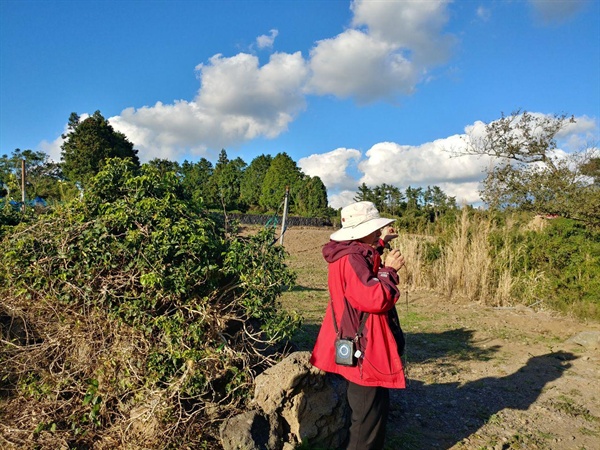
x,y
361,326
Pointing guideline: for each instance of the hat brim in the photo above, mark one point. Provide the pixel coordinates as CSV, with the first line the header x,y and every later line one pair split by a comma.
x,y
360,231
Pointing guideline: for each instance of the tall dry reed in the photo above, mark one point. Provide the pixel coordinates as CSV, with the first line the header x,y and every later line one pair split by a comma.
x,y
464,265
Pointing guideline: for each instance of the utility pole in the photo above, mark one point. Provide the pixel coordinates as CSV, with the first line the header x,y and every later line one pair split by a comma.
x,y
23,184
285,213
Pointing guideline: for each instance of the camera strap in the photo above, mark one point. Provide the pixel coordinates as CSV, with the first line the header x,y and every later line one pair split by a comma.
x,y
361,326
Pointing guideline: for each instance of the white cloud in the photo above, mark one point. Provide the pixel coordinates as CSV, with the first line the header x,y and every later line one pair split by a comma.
x,y
237,101
399,165
341,199
556,11
52,149
579,135
354,64
465,193
430,163
399,44
264,41
332,167
410,25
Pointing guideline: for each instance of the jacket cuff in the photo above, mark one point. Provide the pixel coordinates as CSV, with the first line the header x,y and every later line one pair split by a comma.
x,y
389,273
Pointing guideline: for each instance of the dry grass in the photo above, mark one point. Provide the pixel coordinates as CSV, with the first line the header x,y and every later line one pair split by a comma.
x,y
464,267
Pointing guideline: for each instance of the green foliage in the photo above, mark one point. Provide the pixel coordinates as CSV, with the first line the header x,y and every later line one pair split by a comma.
x,y
529,175
283,172
224,185
591,168
252,180
89,143
196,178
43,177
557,265
203,305
311,199
10,217
568,254
416,208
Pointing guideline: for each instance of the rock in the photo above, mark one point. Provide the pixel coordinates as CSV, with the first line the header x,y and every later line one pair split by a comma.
x,y
251,430
295,399
312,403
588,339
280,381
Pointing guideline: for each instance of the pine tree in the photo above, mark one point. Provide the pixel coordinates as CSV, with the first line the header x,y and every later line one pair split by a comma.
x,y
89,143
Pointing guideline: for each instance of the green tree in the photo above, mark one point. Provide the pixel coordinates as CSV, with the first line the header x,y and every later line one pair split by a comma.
x,y
164,166
89,143
311,199
42,176
414,198
224,184
387,198
437,202
196,177
282,173
364,194
396,200
591,168
530,175
252,181
10,184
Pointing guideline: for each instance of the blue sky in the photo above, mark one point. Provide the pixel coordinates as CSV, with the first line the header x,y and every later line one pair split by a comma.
x,y
362,91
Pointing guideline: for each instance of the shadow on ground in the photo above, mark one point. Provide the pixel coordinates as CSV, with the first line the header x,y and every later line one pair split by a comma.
x,y
440,415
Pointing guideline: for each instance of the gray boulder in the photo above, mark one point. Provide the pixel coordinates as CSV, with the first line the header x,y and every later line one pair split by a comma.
x,y
300,403
587,339
251,430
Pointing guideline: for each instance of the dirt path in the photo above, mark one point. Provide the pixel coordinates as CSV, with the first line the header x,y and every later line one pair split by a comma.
x,y
480,377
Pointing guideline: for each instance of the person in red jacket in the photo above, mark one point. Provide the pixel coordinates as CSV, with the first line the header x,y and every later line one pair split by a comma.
x,y
360,337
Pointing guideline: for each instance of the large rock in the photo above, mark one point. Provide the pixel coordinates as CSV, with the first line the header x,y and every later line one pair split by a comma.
x,y
588,339
252,430
303,404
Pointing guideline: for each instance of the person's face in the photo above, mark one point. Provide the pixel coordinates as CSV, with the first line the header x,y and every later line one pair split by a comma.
x,y
372,238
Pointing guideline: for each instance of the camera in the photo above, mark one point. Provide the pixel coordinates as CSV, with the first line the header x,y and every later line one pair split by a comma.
x,y
344,352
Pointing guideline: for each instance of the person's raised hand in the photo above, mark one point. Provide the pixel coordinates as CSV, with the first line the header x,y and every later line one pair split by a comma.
x,y
388,234
394,260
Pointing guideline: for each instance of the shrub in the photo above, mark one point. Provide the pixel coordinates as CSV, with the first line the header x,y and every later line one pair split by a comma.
x,y
568,254
141,321
507,258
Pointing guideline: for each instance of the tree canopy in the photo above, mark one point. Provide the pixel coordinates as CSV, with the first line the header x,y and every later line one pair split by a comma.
x,y
89,143
282,173
530,174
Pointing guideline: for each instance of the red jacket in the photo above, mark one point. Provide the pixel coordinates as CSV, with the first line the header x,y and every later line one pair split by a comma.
x,y
356,285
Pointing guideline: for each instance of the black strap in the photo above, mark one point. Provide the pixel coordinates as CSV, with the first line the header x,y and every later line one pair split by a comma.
x,y
360,327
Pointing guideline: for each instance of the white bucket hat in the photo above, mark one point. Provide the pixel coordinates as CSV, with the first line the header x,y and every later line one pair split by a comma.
x,y
359,220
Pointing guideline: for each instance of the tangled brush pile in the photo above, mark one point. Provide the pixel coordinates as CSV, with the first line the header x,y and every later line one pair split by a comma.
x,y
131,318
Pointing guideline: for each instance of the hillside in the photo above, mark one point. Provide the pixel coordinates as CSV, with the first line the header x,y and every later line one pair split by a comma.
x,y
480,377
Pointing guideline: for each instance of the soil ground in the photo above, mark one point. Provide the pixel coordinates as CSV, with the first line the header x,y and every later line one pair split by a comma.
x,y
480,377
